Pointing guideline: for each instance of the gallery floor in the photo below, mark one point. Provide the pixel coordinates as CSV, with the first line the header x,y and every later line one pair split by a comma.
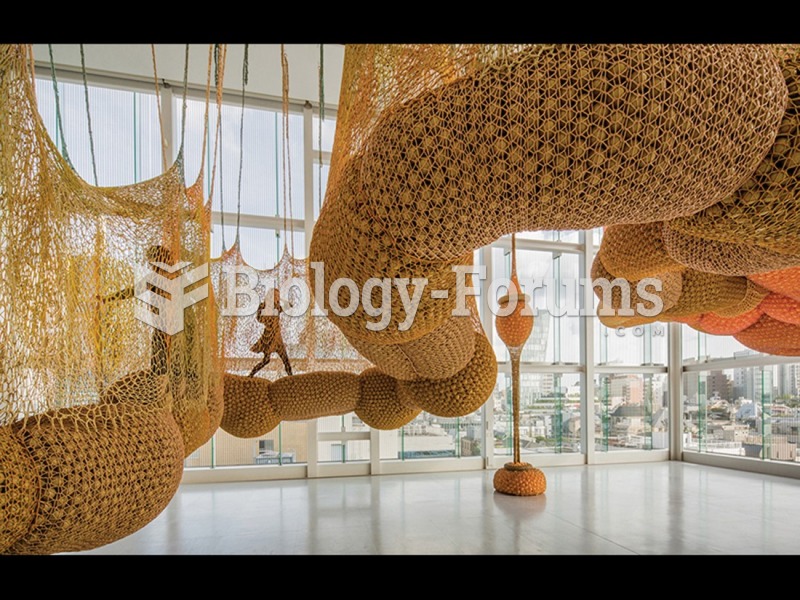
x,y
651,508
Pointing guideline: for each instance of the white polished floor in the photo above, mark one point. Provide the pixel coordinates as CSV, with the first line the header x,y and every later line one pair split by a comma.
x,y
655,508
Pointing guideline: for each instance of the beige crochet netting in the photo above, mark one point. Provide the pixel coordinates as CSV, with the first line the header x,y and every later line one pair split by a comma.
x,y
765,210
724,258
754,230
97,408
441,149
751,236
547,137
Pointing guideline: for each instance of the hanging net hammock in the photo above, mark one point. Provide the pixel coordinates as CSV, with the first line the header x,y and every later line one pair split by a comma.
x,y
97,407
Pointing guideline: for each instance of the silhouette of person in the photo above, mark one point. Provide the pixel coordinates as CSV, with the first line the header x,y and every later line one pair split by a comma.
x,y
271,339
159,342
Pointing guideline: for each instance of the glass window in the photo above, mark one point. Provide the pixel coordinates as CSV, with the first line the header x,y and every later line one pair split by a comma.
x,y
342,451
262,165
261,248
569,236
287,444
429,436
631,411
125,131
328,131
699,347
550,414
744,411
641,345
556,300
318,200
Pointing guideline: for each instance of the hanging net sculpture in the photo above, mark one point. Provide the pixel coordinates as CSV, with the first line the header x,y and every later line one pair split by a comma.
x,y
432,139
439,150
97,407
749,238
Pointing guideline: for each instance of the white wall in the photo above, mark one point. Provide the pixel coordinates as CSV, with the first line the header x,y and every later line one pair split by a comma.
x,y
264,65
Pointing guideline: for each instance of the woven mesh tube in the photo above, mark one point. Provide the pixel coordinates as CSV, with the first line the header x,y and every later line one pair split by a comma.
x,y
352,246
390,358
784,281
751,300
671,288
690,320
19,489
142,387
772,337
191,414
105,471
437,355
707,292
765,210
253,404
530,137
459,395
636,251
312,395
248,410
444,351
716,325
781,308
723,258
378,404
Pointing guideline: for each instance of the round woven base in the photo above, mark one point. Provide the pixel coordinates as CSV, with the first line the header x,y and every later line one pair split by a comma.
x,y
520,479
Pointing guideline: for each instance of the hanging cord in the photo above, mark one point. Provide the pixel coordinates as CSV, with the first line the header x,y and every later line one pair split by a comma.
x,y
321,120
185,99
241,145
59,123
513,254
158,108
164,144
88,115
220,55
221,188
287,164
205,114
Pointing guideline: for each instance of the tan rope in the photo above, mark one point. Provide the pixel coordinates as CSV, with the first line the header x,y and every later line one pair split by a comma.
x,y
287,163
164,161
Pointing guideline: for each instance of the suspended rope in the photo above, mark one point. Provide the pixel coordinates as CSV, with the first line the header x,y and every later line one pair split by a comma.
x,y
204,143
185,98
221,187
219,72
158,109
241,144
287,164
321,120
59,123
88,114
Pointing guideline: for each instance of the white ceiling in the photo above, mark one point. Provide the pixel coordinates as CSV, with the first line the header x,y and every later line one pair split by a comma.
x,y
264,65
